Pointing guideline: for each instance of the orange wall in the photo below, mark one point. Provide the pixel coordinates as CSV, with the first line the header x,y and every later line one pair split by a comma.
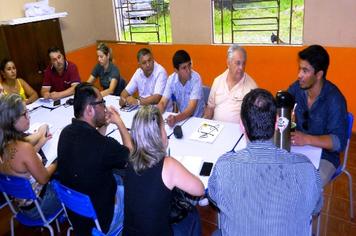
x,y
272,67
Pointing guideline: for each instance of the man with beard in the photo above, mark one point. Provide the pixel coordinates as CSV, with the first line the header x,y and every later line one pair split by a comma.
x,y
86,157
60,77
321,112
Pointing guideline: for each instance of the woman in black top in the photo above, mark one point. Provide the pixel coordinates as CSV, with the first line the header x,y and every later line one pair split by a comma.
x,y
151,176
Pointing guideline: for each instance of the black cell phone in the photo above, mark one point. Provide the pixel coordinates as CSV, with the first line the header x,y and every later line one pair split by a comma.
x,y
206,169
57,102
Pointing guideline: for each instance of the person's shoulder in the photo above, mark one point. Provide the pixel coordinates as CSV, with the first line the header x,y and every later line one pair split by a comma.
x,y
196,76
158,67
332,89
249,80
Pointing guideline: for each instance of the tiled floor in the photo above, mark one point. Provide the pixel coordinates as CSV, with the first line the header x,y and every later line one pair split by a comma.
x,y
335,219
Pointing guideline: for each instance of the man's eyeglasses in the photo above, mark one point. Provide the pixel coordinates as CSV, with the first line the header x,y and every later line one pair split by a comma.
x,y
98,102
306,119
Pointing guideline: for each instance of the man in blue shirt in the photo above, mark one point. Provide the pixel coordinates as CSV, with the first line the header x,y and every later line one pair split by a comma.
x,y
321,112
184,87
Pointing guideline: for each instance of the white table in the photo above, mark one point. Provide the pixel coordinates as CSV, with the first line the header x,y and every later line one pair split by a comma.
x,y
197,151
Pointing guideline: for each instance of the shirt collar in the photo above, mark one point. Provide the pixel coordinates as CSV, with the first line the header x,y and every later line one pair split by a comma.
x,y
65,67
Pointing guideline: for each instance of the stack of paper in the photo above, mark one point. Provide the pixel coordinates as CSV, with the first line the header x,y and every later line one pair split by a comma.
x,y
207,132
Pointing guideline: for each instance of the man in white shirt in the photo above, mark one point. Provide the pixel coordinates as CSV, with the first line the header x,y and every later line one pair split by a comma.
x,y
149,80
229,88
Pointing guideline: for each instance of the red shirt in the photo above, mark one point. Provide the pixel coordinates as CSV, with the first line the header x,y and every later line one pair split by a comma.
x,y
58,82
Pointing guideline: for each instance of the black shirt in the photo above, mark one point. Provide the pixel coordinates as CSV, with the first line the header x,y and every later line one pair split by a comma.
x,y
85,163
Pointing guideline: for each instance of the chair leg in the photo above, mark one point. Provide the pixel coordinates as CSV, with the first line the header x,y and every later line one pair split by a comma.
x,y
68,230
57,225
12,226
350,194
318,225
49,227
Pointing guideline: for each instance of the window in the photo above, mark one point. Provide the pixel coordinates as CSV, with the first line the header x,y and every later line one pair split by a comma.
x,y
258,21
143,20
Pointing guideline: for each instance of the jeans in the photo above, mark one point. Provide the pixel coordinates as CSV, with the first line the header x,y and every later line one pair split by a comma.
x,y
49,205
189,226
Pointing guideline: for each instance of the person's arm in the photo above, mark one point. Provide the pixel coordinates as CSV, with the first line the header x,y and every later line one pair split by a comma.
x,y
31,94
323,141
114,118
68,92
91,79
188,112
162,104
32,162
45,92
39,138
174,174
123,96
111,89
208,112
153,99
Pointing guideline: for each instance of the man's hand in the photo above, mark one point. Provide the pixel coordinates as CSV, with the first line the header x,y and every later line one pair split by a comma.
x,y
131,100
122,102
55,95
113,116
299,139
171,120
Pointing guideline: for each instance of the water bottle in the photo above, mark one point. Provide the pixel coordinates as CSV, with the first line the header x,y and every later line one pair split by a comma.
x,y
285,103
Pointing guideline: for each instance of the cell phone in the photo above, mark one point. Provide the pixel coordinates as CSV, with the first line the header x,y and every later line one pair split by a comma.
x,y
206,169
57,102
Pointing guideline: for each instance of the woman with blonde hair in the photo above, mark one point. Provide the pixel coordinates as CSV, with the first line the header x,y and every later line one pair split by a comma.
x,y
107,72
11,84
18,157
150,178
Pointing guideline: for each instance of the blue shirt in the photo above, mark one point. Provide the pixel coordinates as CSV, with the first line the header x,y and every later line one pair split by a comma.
x,y
106,76
263,190
192,90
327,116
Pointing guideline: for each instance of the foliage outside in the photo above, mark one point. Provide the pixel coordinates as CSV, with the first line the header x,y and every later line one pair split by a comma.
x,y
222,24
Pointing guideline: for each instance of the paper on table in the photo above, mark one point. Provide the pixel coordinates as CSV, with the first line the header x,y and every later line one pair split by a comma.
x,y
207,132
313,153
191,163
50,147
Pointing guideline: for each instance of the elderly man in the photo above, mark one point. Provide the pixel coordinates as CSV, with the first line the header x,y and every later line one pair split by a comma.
x,y
264,190
87,158
229,88
321,112
184,89
60,77
149,80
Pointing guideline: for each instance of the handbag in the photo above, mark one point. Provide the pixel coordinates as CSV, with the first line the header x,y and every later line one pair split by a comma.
x,y
181,205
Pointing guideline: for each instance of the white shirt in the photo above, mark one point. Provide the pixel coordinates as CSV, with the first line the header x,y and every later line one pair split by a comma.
x,y
148,86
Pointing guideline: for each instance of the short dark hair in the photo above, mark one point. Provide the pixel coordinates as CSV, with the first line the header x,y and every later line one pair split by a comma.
x,y
83,95
53,49
180,57
258,114
143,52
317,57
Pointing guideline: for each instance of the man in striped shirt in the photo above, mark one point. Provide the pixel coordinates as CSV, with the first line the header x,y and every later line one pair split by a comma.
x,y
263,190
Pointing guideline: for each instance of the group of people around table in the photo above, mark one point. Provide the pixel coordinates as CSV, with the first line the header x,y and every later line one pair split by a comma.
x,y
259,190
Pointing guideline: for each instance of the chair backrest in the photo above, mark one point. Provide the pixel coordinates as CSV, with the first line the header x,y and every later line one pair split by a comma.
x,y
75,201
350,122
206,92
17,187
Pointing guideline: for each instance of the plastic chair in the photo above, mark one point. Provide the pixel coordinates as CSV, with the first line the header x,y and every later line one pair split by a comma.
x,y
80,204
21,188
342,168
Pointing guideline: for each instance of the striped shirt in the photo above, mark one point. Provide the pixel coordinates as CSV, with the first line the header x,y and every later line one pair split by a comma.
x,y
263,190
